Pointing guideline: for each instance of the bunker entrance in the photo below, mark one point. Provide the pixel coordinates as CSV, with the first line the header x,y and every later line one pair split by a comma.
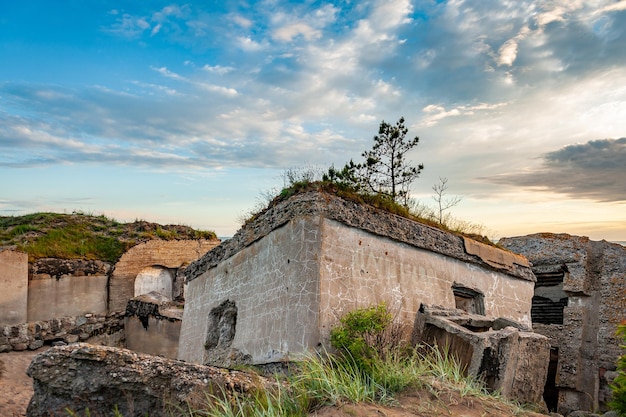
x,y
549,299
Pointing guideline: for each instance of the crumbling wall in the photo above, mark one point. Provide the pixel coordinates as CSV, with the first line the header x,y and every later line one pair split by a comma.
x,y
104,329
14,285
499,351
273,283
66,288
172,254
360,269
594,282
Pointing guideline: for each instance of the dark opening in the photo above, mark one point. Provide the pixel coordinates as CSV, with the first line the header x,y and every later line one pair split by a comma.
x,y
490,367
549,299
550,391
468,300
222,323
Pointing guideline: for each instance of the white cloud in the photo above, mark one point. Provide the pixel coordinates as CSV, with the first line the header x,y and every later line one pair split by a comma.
x,y
288,32
218,69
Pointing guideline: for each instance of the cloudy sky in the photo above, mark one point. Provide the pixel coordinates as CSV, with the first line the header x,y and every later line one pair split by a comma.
x,y
188,112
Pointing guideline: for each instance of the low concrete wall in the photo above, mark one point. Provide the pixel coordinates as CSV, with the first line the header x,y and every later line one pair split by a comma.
x,y
14,285
68,296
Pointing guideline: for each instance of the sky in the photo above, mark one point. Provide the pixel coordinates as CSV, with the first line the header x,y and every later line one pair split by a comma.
x,y
191,112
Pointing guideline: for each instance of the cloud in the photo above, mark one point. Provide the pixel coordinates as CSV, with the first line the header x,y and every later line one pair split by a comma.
x,y
593,170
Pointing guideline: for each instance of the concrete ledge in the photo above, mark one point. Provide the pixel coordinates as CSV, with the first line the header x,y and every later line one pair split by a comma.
x,y
364,217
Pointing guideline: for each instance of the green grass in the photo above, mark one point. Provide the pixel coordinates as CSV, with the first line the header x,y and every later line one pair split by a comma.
x,y
327,380
84,236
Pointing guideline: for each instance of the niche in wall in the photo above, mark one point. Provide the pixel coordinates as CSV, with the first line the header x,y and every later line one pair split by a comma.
x,y
468,299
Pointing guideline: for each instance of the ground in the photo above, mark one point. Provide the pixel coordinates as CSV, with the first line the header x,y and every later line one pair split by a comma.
x,y
16,389
422,403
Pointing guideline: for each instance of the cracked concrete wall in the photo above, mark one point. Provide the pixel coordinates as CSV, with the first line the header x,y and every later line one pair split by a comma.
x,y
14,284
274,285
360,269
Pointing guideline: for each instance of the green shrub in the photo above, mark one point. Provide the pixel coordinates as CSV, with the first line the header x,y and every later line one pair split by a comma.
x,y
618,403
369,334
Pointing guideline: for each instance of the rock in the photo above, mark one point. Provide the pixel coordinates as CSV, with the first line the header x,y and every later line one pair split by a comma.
x,y
36,344
81,376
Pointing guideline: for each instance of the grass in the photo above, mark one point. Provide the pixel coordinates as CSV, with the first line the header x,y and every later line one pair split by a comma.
x,y
327,380
84,236
417,212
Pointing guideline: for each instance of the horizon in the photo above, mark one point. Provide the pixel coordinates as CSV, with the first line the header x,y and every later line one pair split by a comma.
x,y
188,113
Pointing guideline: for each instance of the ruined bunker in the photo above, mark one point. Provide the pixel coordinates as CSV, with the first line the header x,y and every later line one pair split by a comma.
x,y
285,279
579,300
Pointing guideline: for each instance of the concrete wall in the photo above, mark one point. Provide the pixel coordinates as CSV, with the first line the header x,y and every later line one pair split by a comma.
x,y
160,338
67,296
154,278
164,253
300,266
274,285
360,269
14,287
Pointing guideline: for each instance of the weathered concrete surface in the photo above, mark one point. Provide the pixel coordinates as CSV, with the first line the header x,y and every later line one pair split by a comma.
x,y
508,359
152,325
67,288
274,285
359,269
84,376
14,285
171,254
594,281
154,278
295,270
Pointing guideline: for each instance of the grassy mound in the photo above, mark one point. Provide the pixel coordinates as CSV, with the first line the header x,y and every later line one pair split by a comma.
x,y
84,236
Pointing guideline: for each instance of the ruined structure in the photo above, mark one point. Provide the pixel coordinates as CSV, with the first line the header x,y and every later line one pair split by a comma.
x,y
579,299
284,280
506,356
68,300
153,266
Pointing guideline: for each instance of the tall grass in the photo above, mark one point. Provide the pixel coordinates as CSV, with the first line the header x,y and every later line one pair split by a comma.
x,y
327,380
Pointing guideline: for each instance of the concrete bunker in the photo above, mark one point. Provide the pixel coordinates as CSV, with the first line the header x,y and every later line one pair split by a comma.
x,y
299,267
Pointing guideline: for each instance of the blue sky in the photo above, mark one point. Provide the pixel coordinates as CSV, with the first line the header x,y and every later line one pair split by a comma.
x,y
189,112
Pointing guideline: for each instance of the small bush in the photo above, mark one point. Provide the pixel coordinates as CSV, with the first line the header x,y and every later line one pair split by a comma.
x,y
368,334
618,403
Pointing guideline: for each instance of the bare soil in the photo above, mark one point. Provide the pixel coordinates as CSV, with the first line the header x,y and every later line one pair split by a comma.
x,y
16,388
423,403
